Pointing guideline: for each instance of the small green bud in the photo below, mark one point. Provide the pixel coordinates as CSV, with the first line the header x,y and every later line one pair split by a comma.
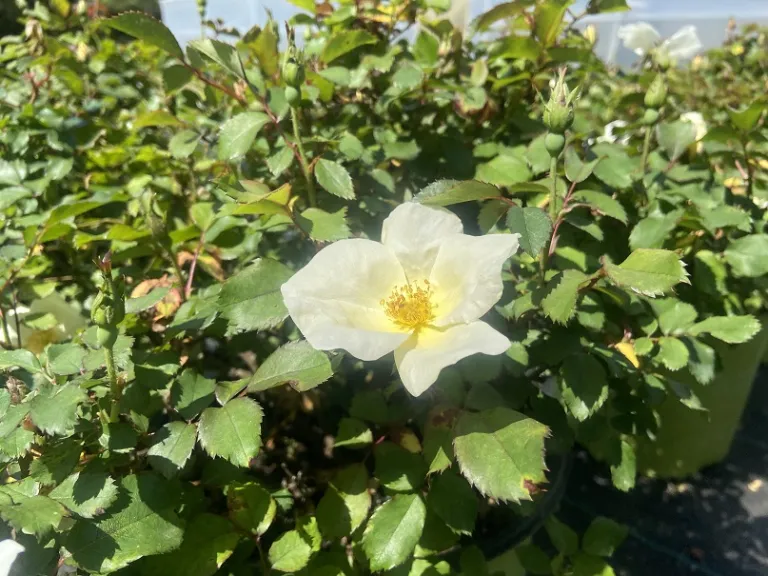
x,y
293,73
650,117
554,143
558,112
106,336
657,93
292,96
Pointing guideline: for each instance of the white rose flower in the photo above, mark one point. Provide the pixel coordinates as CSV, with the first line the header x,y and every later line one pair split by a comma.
x,y
9,550
641,38
419,292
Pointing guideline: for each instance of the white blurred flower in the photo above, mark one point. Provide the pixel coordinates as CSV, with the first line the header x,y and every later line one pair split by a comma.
x,y
68,321
608,133
419,293
9,550
698,122
642,38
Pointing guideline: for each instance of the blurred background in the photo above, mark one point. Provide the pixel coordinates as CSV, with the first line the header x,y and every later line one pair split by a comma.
x,y
709,16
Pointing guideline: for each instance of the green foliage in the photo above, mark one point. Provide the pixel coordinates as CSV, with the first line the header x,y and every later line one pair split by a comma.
x,y
169,194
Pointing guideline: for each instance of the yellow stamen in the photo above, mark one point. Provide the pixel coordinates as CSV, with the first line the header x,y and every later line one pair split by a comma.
x,y
410,305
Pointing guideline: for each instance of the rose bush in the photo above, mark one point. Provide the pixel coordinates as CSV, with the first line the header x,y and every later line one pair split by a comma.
x,y
252,230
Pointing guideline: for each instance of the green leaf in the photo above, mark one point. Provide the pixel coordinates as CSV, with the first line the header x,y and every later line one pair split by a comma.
x,y
233,431
647,271
548,19
563,537
171,448
156,118
534,227
334,178
251,507
343,42
345,504
602,203
183,143
426,48
280,161
604,536
748,256
623,473
653,231
324,226
604,6
675,137
401,150
500,12
584,385
143,523
563,294
449,192
87,494
225,55
66,359
296,363
209,540
251,299
515,47
351,147
533,559
290,552
746,118
353,433
672,353
586,565
453,500
504,170
192,393
147,29
54,408
701,360
500,452
674,316
56,462
398,469
19,358
615,171
731,329
575,170
408,77
393,531
238,133
438,448
136,305
25,509
725,217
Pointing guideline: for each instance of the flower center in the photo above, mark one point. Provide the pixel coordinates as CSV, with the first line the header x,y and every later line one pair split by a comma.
x,y
410,305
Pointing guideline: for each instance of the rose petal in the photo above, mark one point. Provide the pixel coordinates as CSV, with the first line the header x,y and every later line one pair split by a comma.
x,y
420,359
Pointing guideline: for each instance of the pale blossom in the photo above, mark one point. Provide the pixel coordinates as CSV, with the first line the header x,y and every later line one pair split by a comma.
x,y
608,135
419,292
9,550
642,38
698,123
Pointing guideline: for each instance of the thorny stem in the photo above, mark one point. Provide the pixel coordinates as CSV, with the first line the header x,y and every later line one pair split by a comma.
x,y
303,158
114,386
553,195
646,147
552,212
193,266
16,318
559,220
213,84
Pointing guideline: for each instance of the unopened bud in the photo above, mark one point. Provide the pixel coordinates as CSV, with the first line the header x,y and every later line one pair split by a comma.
x,y
558,112
657,93
293,73
650,117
